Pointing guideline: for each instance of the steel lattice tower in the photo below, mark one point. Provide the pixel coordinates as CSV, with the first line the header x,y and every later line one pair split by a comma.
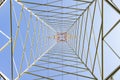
x,y
60,39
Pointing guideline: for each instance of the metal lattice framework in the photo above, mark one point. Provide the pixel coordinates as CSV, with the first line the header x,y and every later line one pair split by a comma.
x,y
90,44
2,2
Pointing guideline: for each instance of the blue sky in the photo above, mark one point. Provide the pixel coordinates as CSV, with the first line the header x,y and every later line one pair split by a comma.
x,y
110,17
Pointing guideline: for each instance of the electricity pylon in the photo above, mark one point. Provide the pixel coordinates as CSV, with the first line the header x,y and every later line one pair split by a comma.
x,y
61,40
